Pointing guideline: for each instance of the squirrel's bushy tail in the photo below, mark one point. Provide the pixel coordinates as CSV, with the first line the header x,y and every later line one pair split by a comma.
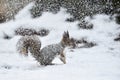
x,y
28,43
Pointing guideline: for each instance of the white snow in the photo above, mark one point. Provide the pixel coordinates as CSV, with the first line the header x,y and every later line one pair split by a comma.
x,y
101,62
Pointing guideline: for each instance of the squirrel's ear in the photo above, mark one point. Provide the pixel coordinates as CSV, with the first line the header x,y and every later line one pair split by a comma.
x,y
66,34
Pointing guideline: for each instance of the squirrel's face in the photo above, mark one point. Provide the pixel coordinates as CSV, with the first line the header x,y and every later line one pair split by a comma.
x,y
66,40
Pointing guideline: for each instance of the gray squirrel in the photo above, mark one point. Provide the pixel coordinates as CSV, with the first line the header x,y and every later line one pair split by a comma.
x,y
46,55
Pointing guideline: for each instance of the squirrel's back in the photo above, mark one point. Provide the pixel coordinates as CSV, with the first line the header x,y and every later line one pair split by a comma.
x,y
50,52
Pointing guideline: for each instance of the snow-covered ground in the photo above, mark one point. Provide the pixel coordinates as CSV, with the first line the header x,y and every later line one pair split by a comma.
x,y
101,62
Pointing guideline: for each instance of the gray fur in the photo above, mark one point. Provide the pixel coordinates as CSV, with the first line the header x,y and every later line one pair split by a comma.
x,y
31,43
46,55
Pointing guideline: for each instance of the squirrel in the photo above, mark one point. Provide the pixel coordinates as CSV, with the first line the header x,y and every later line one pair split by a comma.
x,y
46,55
